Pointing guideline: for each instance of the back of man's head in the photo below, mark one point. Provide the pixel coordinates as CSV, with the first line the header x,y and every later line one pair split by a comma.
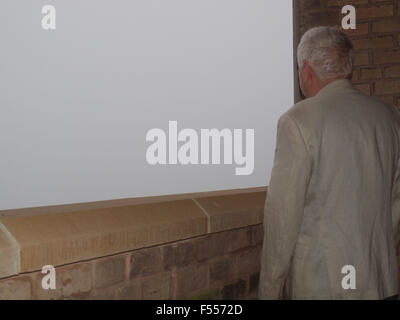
x,y
328,51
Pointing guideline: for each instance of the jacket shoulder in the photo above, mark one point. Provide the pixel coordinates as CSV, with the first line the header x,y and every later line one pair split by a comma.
x,y
300,110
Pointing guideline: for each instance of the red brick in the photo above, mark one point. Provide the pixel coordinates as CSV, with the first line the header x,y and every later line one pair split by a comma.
x,y
387,87
382,57
222,242
110,270
364,87
341,3
310,4
191,280
326,17
257,235
222,271
361,29
131,291
370,73
107,293
213,245
361,59
146,261
71,280
375,11
386,25
392,71
373,43
181,253
18,288
249,261
157,287
355,75
388,99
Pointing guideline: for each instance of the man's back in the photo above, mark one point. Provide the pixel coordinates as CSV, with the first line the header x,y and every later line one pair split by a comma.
x,y
345,150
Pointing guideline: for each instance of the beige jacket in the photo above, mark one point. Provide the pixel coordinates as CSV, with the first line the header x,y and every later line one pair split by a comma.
x,y
333,199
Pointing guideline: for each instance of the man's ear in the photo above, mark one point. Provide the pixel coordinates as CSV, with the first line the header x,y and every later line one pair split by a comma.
x,y
307,71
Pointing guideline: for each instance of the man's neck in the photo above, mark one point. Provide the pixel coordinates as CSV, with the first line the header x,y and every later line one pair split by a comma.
x,y
323,84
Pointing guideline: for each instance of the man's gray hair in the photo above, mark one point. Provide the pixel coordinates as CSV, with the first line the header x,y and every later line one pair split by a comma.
x,y
328,51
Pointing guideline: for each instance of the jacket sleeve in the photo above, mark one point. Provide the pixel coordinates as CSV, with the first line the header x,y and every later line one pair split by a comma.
x,y
396,206
396,182
284,206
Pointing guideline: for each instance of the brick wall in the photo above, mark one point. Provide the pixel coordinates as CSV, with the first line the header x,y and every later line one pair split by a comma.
x,y
223,265
376,41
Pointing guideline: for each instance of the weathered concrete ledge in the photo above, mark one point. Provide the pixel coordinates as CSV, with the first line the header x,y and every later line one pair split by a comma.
x,y
27,243
9,253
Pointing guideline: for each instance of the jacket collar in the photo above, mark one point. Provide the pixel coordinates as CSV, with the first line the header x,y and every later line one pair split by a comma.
x,y
335,85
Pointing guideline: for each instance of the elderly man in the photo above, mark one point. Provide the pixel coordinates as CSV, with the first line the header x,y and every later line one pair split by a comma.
x,y
331,217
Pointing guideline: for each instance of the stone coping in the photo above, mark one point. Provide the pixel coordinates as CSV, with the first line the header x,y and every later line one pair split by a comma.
x,y
81,206
27,243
